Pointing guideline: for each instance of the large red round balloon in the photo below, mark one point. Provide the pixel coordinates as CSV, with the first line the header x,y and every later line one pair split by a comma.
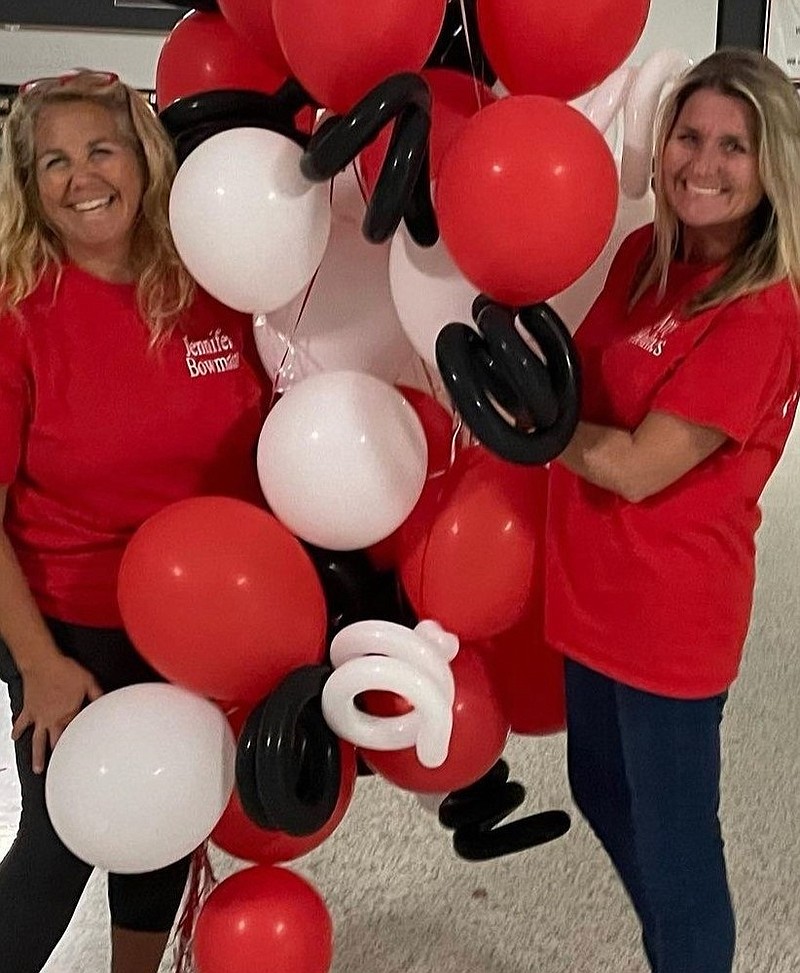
x,y
219,597
264,918
526,198
480,732
340,49
203,53
240,837
456,97
468,554
553,47
252,21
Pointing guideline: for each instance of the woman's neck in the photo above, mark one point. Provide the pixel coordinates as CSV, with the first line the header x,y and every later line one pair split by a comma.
x,y
115,268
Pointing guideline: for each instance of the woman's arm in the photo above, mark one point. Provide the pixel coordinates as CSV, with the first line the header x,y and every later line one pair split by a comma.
x,y
639,464
54,686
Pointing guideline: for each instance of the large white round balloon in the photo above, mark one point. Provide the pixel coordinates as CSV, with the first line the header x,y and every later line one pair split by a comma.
x,y
249,226
429,291
349,321
342,460
140,777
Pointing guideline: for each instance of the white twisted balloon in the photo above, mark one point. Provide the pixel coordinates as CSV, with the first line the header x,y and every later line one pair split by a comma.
x,y
637,92
379,655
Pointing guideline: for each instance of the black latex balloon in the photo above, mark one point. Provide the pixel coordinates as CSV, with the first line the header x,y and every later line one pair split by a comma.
x,y
191,120
403,185
475,812
452,50
288,764
495,366
208,6
355,590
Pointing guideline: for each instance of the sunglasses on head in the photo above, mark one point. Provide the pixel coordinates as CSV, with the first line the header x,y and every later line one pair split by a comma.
x,y
90,79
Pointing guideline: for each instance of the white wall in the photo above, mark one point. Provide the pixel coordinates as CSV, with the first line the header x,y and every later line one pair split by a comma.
x,y
689,25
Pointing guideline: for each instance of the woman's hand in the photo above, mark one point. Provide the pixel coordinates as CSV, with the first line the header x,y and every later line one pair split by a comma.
x,y
53,695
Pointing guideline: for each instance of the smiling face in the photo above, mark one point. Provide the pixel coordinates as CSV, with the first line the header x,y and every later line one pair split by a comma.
x,y
710,173
90,184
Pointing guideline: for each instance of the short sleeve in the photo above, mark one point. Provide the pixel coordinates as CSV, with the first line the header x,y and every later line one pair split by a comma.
x,y
14,396
744,365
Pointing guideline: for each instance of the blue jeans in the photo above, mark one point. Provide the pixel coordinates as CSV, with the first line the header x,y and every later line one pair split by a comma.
x,y
644,771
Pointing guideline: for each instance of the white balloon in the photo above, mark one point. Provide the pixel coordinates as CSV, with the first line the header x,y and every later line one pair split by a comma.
x,y
249,226
428,647
349,321
657,73
429,291
427,727
140,777
342,460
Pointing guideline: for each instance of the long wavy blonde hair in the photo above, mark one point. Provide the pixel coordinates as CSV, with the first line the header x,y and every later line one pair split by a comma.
x,y
771,250
29,247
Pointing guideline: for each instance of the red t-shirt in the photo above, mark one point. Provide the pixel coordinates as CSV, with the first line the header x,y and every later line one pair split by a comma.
x,y
658,594
98,431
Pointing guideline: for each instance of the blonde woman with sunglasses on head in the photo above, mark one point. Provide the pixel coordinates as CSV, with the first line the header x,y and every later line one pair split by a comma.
x,y
105,418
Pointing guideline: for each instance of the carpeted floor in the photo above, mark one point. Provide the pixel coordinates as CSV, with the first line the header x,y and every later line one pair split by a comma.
x,y
402,901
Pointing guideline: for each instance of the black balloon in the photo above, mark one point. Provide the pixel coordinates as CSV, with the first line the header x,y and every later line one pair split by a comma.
x,y
460,49
288,764
475,812
191,120
403,185
208,6
355,590
495,367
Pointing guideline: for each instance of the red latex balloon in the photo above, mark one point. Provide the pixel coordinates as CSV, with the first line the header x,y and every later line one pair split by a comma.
x,y
480,732
437,424
252,21
203,53
456,97
526,198
549,47
240,837
219,597
341,49
468,553
264,918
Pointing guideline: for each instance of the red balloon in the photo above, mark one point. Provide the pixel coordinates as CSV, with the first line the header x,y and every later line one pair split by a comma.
x,y
341,49
526,198
468,552
202,53
236,834
264,918
456,97
529,677
437,424
219,597
549,47
252,21
480,732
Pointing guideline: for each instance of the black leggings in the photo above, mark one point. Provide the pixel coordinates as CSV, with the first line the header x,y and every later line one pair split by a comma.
x,y
40,880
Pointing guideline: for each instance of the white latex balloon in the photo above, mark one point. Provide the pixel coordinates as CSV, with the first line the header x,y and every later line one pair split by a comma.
x,y
342,460
348,323
429,291
140,777
249,226
428,727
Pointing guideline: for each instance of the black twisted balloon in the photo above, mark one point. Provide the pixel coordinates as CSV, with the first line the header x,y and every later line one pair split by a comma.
x,y
475,812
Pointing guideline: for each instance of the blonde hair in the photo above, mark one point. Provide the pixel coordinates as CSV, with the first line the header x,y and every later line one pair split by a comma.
x,y
29,247
771,250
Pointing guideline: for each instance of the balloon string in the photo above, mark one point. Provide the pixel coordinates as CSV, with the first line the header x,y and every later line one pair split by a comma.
x,y
277,389
360,182
474,71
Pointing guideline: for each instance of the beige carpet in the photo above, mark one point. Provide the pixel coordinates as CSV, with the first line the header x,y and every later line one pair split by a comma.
x,y
402,901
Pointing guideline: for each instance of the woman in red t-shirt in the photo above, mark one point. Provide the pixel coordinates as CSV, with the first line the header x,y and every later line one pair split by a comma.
x,y
123,388
691,360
